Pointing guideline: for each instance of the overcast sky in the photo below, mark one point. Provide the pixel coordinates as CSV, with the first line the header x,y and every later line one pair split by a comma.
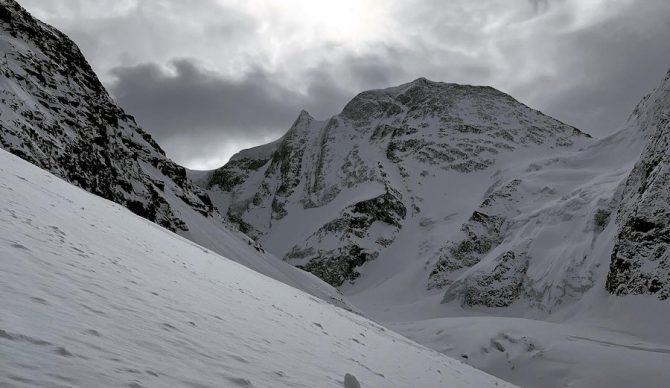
x,y
210,77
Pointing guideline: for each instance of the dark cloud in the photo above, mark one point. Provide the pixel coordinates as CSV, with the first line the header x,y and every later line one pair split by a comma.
x,y
599,71
188,98
193,112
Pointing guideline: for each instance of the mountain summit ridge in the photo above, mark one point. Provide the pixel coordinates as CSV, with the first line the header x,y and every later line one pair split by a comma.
x,y
377,144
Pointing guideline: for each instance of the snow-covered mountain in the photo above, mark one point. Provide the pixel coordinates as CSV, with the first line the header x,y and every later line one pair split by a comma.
x,y
94,296
431,201
547,230
385,179
591,227
453,214
459,188
56,114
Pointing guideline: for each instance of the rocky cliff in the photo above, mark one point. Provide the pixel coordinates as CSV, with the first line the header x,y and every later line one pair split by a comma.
x,y
640,260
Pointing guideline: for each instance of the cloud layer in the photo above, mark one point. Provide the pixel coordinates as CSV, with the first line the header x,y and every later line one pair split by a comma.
x,y
208,77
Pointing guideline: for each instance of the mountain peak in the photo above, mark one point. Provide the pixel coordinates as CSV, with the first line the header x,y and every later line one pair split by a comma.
x,y
423,100
304,116
421,81
369,165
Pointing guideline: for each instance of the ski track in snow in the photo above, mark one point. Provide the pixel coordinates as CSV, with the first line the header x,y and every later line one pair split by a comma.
x,y
94,296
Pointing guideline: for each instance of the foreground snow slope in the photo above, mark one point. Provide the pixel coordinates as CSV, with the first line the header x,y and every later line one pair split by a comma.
x,y
93,295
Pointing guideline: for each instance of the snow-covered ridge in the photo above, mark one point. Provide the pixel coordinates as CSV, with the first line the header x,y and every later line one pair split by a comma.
x,y
461,185
93,295
548,232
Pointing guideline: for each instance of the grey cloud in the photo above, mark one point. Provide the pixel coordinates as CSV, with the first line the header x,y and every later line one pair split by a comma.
x,y
586,63
585,69
540,6
114,33
605,69
190,109
195,97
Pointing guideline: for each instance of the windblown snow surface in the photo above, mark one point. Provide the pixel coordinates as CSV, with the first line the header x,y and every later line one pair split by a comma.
x,y
92,295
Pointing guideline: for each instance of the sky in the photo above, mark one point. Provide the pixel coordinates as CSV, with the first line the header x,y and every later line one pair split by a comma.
x,y
208,78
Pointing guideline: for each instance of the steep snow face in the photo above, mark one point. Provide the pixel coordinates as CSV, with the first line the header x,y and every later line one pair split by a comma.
x,y
55,113
544,233
399,164
93,295
597,218
570,239
640,260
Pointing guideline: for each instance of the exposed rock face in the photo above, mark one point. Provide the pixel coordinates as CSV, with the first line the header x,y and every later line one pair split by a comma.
x,y
56,114
483,231
640,261
501,286
332,195
339,264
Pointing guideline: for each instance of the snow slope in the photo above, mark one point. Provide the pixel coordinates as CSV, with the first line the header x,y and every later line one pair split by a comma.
x,y
93,295
55,113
